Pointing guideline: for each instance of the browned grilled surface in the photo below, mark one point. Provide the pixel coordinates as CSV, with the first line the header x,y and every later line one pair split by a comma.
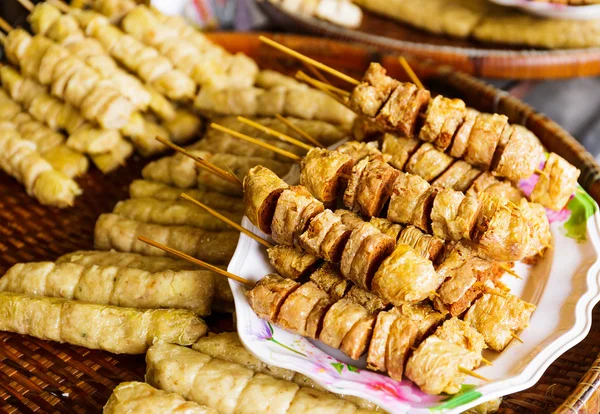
x,y
38,376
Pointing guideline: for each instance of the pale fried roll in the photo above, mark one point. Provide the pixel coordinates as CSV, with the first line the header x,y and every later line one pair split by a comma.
x,y
557,184
374,188
402,107
113,329
143,131
139,397
290,262
111,285
115,158
93,141
115,232
359,150
379,340
422,315
460,176
339,320
488,183
373,92
435,365
164,192
461,333
483,140
442,119
262,189
428,162
172,213
329,278
461,138
183,126
453,215
294,312
152,264
306,104
399,148
520,156
325,236
410,201
405,277
66,161
321,173
497,315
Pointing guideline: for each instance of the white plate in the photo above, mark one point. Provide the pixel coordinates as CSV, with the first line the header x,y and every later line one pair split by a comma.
x,y
565,286
554,10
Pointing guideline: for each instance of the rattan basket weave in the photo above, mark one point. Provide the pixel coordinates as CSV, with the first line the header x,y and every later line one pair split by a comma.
x,y
38,376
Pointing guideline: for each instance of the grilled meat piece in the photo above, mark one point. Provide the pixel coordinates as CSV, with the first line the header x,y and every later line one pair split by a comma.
x,y
374,90
497,315
558,183
269,294
374,188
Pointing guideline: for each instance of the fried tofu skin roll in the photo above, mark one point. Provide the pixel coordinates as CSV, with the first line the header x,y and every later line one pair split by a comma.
x,y
557,184
172,213
405,277
497,315
262,189
292,263
113,329
121,234
232,388
111,285
227,346
322,172
139,397
435,365
165,192
154,264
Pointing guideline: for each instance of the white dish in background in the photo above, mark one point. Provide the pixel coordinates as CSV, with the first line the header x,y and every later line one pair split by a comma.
x,y
564,285
554,10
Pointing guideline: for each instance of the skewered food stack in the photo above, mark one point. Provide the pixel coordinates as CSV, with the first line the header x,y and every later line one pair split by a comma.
x,y
485,141
20,159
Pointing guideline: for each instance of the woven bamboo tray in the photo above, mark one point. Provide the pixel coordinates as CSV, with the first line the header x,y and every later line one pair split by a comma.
x,y
38,376
475,58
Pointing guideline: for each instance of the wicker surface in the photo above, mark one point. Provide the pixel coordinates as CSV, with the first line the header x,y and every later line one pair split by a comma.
x,y
45,377
482,60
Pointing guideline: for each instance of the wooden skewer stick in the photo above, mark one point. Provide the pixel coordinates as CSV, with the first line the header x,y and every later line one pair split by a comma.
x,y
316,73
228,221
256,141
485,361
299,131
63,7
473,374
308,60
325,85
434,293
410,72
540,172
313,82
510,271
27,4
516,337
196,261
276,134
2,38
4,25
202,163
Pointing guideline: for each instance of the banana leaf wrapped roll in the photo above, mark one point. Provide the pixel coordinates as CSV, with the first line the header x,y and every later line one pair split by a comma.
x,y
113,329
111,285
